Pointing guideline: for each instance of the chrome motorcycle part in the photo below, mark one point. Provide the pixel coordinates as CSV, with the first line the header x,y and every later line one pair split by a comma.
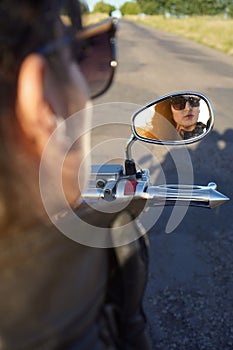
x,y
167,194
176,119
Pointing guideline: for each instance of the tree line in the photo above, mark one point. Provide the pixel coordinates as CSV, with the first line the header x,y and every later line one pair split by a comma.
x,y
185,7
172,7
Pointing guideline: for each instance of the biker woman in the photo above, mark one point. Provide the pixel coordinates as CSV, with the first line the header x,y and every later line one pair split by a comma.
x,y
54,292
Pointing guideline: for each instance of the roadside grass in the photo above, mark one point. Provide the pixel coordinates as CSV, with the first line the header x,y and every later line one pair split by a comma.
x,y
215,32
93,18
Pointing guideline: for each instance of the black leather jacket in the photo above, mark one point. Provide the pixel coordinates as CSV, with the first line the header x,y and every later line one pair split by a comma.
x,y
199,129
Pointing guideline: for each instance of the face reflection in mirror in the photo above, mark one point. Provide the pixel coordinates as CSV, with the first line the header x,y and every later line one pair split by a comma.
x,y
180,117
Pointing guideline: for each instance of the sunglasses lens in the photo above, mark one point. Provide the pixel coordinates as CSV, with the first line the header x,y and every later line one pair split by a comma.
x,y
194,101
179,103
93,49
96,63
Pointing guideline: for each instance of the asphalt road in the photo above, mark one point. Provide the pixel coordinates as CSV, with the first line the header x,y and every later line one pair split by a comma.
x,y
189,299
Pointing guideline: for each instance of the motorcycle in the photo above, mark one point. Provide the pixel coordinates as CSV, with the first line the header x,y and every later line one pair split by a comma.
x,y
121,204
125,190
118,186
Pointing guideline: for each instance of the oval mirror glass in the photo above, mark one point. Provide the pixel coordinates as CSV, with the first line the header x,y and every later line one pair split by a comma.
x,y
184,117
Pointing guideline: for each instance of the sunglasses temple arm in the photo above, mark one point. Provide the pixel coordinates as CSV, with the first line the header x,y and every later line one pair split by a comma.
x,y
114,52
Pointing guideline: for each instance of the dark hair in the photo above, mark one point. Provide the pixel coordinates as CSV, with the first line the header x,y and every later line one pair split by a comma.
x,y
164,109
25,26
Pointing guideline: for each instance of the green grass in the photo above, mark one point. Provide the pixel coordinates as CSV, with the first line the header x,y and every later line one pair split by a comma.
x,y
215,32
93,18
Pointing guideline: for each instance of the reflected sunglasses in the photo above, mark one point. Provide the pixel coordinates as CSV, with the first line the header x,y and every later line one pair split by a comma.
x,y
94,49
179,102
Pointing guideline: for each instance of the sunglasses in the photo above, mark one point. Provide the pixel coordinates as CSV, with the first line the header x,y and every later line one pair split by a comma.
x,y
95,52
93,48
179,102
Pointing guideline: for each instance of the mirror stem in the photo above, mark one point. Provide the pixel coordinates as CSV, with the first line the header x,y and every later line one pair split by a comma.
x,y
130,142
130,168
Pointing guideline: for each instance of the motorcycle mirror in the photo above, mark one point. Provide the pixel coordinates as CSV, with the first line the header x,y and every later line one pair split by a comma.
x,y
178,118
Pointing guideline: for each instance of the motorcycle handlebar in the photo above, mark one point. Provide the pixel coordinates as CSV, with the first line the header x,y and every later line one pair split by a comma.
x,y
204,196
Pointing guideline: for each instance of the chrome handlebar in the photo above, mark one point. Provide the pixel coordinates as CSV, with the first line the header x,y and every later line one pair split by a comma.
x,y
126,188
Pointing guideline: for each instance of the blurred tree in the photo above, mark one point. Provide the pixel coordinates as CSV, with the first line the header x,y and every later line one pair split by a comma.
x,y
104,7
212,7
84,6
178,7
130,8
185,7
229,10
152,7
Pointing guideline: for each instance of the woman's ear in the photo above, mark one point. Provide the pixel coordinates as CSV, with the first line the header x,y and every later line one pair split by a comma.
x,y
34,112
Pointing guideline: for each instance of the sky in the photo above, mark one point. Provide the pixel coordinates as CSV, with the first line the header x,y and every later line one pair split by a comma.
x,y
116,3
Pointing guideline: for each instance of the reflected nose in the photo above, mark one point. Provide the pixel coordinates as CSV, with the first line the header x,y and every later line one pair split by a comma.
x,y
188,105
